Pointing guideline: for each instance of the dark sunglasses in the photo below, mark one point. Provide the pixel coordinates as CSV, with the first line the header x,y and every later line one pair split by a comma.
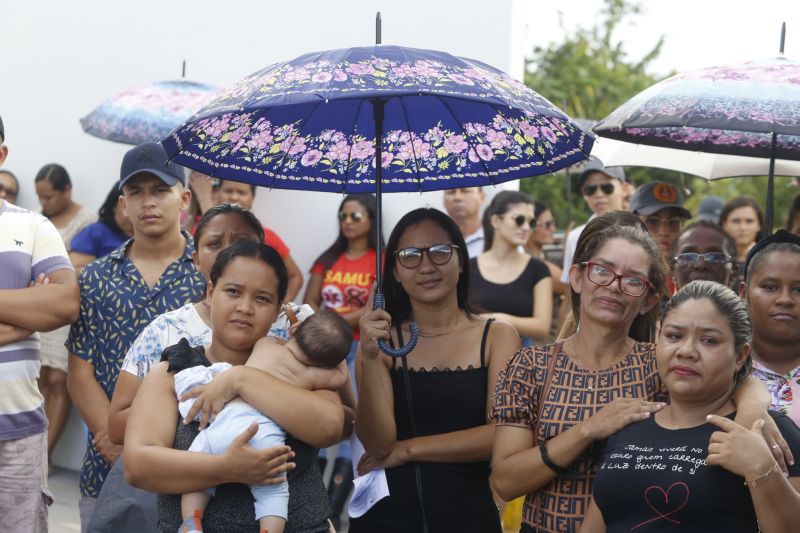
x,y
8,191
589,190
521,220
355,216
439,254
550,224
711,258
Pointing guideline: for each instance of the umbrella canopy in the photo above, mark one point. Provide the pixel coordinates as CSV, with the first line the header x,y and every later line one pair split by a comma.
x,y
147,112
744,111
310,124
378,118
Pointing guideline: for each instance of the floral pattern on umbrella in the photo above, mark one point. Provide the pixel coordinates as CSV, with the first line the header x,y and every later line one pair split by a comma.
x,y
147,112
732,109
308,124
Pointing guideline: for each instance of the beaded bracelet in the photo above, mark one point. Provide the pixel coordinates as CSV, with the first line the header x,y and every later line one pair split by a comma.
x,y
753,482
560,470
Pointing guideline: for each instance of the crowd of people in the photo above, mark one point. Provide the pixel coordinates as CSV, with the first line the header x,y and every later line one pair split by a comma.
x,y
645,379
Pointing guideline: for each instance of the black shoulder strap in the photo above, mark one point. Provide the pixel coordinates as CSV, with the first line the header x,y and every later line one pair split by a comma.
x,y
483,341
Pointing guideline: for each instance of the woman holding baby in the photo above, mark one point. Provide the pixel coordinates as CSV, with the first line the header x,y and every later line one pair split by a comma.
x,y
245,293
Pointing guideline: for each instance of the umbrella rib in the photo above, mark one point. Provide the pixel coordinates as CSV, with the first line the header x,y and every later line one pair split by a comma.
x,y
413,151
466,136
284,160
350,150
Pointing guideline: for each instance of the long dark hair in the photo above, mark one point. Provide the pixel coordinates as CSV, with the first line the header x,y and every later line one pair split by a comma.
x,y
339,246
56,175
743,201
790,216
255,250
224,209
106,212
499,206
398,304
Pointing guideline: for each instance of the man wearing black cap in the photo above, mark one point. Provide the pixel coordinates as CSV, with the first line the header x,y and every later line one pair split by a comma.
x,y
30,249
124,291
660,206
604,190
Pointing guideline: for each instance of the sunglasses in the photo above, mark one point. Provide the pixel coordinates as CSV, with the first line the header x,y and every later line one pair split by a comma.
x,y
711,258
550,224
673,223
589,190
355,216
521,220
439,254
8,191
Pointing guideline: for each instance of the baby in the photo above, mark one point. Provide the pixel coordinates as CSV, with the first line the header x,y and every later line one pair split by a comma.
x,y
312,359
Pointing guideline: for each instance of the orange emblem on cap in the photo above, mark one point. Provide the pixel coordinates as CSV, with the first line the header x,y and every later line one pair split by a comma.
x,y
665,193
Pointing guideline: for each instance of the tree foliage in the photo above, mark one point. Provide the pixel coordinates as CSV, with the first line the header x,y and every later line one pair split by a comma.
x,y
589,74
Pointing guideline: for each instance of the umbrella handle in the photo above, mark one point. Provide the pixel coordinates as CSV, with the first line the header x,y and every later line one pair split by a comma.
x,y
384,346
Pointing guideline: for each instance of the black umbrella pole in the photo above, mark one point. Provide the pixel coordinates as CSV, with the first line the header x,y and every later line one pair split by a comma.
x,y
771,185
378,115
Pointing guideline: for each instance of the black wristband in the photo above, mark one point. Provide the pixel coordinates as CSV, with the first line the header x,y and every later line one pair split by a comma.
x,y
560,470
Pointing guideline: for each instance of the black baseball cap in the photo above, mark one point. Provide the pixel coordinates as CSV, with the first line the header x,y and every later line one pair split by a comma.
x,y
652,197
150,158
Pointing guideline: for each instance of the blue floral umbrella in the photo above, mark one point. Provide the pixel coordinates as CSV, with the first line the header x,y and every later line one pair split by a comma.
x,y
433,121
747,112
147,112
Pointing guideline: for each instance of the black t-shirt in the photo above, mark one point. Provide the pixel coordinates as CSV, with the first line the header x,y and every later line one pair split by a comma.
x,y
515,298
656,479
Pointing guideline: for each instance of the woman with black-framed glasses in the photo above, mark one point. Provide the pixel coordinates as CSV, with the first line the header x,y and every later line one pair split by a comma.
x,y
434,443
703,251
507,283
340,280
555,404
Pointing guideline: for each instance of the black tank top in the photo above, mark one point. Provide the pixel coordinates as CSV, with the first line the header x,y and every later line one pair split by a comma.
x,y
515,298
456,495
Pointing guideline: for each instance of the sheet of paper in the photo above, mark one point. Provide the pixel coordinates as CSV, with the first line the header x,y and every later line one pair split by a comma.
x,y
368,489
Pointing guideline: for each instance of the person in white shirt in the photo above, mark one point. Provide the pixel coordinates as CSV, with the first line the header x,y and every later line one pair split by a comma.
x,y
464,207
603,189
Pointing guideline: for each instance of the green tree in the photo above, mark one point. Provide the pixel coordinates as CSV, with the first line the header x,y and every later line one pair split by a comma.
x,y
588,75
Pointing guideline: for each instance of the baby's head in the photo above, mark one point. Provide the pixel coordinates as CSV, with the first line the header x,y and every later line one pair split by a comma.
x,y
325,338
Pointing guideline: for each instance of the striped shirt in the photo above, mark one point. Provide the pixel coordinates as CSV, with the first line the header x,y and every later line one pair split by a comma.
x,y
29,245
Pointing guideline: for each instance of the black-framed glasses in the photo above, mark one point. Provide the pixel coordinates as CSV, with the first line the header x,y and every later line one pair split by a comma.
x,y
439,254
589,190
550,224
604,276
355,216
672,223
711,258
521,220
8,191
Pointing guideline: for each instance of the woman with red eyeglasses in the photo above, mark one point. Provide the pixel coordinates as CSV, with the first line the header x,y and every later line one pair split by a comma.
x,y
554,405
340,280
506,282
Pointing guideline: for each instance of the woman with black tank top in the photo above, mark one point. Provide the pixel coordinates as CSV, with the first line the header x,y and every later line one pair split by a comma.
x,y
435,444
507,283
248,282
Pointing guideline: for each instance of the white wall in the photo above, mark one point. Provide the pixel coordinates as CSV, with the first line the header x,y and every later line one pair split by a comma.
x,y
59,60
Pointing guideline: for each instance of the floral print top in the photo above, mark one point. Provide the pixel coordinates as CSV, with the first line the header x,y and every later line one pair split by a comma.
x,y
783,388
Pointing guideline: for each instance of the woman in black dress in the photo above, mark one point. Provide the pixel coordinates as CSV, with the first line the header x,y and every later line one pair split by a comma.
x,y
435,444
